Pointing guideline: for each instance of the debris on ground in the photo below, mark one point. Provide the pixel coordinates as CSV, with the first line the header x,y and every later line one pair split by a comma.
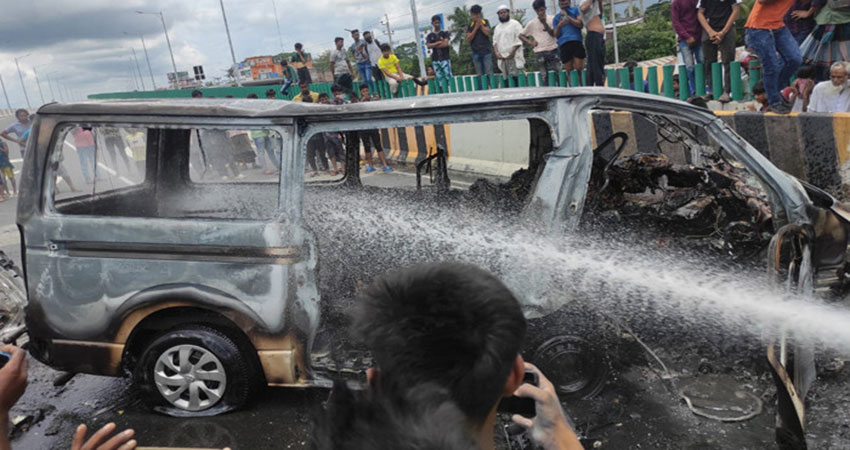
x,y
719,398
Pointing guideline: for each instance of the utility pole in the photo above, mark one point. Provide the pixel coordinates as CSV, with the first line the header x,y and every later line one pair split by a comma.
x,y
230,42
38,83
416,38
138,69
277,21
554,7
21,76
8,103
150,71
616,46
512,7
386,21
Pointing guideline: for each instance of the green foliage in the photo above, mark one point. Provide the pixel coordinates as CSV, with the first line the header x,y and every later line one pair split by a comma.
x,y
462,58
322,64
407,58
650,39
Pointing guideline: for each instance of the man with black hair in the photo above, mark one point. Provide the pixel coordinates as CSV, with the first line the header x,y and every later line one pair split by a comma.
x,y
457,326
543,41
305,93
478,36
197,93
438,40
301,60
341,66
373,48
361,57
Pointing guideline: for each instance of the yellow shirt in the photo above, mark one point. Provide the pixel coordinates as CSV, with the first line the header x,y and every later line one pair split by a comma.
x,y
299,97
388,64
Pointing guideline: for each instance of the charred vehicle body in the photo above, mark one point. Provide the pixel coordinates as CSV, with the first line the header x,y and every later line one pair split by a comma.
x,y
203,285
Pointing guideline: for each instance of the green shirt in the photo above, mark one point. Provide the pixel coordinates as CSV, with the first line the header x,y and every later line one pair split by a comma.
x,y
829,16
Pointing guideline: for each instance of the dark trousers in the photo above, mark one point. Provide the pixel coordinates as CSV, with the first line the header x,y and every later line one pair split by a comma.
x,y
316,149
726,47
594,44
371,138
304,75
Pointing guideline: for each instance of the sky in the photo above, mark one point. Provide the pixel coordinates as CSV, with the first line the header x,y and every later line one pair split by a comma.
x,y
83,47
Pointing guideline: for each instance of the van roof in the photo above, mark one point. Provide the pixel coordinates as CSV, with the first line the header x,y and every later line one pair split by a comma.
x,y
248,108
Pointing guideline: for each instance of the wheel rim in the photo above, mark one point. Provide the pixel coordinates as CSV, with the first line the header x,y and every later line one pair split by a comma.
x,y
190,377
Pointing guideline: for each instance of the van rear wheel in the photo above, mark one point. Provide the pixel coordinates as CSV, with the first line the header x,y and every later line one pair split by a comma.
x,y
195,371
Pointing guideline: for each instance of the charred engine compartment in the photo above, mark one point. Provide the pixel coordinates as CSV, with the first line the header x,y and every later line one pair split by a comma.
x,y
705,201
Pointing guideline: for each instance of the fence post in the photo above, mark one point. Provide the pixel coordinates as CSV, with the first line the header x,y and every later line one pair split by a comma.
x,y
755,77
584,77
716,80
495,81
638,79
575,78
652,79
699,79
522,80
611,77
684,92
562,78
467,83
532,79
623,72
668,81
735,80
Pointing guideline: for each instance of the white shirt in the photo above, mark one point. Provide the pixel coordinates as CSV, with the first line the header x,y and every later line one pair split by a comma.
x,y
824,99
545,41
506,37
374,51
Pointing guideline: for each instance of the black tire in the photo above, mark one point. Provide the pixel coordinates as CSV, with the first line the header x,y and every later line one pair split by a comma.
x,y
242,377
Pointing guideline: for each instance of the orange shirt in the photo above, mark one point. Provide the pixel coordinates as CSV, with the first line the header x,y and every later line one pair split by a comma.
x,y
769,17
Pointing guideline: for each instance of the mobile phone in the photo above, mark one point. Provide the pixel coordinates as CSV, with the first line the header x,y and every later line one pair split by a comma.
x,y
523,406
4,358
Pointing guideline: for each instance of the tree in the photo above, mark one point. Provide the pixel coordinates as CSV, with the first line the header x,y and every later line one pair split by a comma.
x,y
407,58
322,64
462,57
650,39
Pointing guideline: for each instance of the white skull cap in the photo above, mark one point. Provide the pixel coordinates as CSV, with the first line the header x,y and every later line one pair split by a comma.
x,y
503,7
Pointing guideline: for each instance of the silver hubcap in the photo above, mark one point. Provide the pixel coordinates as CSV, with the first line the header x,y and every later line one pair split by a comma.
x,y
190,377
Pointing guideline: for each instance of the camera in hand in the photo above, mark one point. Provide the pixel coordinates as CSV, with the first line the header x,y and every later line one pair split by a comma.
x,y
523,406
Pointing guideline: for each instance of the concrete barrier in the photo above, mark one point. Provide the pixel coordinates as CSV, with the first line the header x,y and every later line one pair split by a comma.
x,y
812,146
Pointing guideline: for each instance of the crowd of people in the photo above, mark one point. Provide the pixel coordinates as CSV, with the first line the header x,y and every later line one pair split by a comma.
x,y
799,45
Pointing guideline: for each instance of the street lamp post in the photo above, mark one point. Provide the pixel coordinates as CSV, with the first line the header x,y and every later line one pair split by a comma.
x,y
230,42
167,40
21,76
50,85
8,103
38,83
138,69
150,70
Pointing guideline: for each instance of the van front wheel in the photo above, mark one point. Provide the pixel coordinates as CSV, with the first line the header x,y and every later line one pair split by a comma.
x,y
194,371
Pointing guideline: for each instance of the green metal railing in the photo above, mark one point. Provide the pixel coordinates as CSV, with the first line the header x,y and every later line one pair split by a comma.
x,y
641,80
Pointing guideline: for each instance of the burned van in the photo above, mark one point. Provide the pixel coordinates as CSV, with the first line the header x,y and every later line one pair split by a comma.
x,y
194,244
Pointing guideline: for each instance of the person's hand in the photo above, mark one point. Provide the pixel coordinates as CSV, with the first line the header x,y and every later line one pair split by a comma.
x,y
549,428
13,379
120,441
801,14
691,41
22,142
533,44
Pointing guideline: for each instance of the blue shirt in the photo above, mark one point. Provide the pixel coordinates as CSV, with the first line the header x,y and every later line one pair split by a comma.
x,y
568,32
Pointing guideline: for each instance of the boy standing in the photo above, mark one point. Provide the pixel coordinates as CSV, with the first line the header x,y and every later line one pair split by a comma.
x,y
717,18
543,41
302,60
341,66
478,36
438,41
568,31
372,138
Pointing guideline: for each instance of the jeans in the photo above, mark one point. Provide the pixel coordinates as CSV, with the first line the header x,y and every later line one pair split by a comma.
x,y
365,69
284,90
547,61
443,74
780,58
483,66
690,56
727,55
87,162
594,44
264,148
